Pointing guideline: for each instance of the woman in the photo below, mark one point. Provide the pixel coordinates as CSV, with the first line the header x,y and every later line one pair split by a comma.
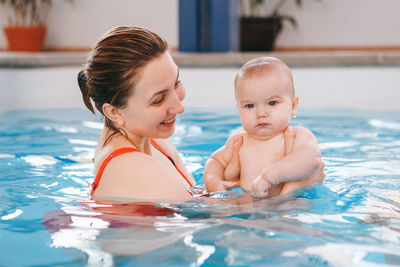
x,y
134,82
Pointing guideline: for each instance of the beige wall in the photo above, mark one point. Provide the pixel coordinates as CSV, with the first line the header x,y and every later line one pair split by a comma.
x,y
82,23
321,23
356,88
343,23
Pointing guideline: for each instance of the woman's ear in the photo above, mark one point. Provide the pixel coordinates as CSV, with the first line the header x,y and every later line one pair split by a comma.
x,y
294,105
113,114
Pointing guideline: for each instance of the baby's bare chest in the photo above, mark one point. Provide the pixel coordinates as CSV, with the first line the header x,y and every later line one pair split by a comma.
x,y
256,156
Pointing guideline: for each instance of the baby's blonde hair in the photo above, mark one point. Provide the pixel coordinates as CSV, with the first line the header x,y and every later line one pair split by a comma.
x,y
264,65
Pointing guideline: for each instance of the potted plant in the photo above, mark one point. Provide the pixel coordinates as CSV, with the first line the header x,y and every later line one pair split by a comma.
x,y
26,29
261,23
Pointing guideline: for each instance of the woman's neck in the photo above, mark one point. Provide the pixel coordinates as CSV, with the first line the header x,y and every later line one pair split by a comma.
x,y
141,143
123,139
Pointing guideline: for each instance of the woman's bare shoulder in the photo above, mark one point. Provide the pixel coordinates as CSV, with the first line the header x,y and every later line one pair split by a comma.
x,y
164,143
168,147
133,165
137,175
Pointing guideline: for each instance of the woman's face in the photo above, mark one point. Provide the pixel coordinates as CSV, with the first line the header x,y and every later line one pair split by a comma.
x,y
156,100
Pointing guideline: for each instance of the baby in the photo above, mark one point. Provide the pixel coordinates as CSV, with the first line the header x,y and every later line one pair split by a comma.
x,y
274,157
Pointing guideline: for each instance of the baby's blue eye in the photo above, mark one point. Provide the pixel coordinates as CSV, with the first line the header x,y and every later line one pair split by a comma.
x,y
272,103
249,106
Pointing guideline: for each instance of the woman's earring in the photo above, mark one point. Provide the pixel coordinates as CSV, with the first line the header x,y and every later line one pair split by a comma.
x,y
294,116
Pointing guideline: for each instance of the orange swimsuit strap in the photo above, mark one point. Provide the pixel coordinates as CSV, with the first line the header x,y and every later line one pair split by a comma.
x,y
124,150
173,162
113,154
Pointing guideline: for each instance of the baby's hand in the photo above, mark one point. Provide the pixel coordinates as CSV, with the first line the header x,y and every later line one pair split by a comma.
x,y
260,187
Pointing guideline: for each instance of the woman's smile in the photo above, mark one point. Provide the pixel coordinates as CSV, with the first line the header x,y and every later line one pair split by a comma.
x,y
168,123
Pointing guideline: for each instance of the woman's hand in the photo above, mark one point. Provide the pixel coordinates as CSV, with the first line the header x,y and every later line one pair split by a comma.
x,y
222,170
232,170
289,140
219,185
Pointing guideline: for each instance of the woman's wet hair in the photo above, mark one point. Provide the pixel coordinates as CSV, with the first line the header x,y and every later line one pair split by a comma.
x,y
113,67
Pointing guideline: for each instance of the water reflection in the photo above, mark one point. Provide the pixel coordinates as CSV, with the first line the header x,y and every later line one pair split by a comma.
x,y
352,219
199,227
232,228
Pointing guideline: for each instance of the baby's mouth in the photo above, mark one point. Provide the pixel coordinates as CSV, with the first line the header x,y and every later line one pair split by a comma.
x,y
262,124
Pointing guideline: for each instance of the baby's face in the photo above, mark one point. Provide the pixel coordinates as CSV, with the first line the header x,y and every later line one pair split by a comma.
x,y
265,103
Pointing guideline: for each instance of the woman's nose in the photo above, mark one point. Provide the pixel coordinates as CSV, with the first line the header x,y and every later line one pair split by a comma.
x,y
176,104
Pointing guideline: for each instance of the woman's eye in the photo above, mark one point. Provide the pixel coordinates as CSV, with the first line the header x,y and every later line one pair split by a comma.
x,y
177,83
159,99
272,103
249,106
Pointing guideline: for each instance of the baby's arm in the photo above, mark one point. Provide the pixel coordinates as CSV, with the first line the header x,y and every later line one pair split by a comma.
x,y
317,177
301,162
222,169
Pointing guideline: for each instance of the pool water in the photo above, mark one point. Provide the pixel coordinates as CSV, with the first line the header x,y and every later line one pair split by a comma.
x,y
47,217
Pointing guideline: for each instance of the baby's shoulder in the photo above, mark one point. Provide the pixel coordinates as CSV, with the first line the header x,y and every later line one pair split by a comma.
x,y
236,134
301,130
303,135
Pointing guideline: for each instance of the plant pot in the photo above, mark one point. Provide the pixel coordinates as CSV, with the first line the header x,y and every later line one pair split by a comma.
x,y
27,39
259,34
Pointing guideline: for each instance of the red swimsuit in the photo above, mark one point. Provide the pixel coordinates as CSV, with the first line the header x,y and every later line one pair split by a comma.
x,y
124,150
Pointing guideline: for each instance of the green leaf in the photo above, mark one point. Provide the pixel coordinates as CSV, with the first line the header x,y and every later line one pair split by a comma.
x,y
291,19
299,3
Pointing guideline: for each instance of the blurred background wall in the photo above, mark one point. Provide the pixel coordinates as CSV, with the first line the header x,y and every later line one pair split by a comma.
x,y
325,23
80,24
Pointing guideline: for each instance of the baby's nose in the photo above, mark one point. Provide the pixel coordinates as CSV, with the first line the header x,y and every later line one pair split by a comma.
x,y
262,112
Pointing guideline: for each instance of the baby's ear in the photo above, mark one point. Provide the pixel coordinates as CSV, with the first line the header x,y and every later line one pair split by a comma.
x,y
113,114
294,105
